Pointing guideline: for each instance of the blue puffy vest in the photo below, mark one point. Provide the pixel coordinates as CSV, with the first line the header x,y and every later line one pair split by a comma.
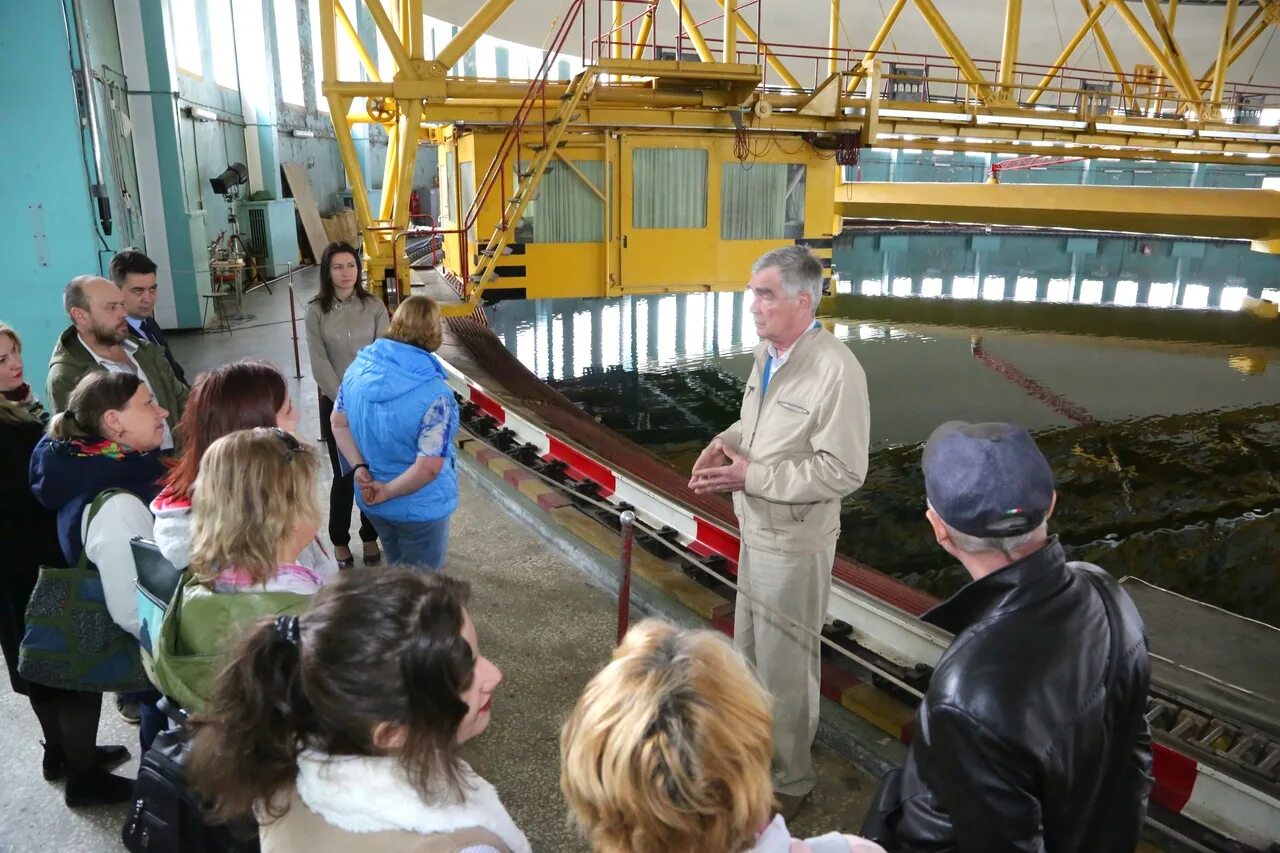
x,y
385,393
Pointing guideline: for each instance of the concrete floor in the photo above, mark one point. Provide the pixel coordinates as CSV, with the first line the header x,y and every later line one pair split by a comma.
x,y
537,616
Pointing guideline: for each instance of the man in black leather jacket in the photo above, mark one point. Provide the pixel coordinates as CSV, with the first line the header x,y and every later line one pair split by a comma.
x,y
1031,736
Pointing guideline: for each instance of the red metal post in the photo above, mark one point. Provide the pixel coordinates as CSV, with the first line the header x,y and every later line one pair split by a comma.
x,y
628,519
293,321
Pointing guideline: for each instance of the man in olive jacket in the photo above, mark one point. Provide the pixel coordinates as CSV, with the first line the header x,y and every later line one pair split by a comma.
x,y
799,447
98,339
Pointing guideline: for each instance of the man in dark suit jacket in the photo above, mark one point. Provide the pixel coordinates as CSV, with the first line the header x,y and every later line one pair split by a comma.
x,y
135,274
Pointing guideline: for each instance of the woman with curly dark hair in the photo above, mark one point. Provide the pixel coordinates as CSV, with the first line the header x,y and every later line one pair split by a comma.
x,y
340,727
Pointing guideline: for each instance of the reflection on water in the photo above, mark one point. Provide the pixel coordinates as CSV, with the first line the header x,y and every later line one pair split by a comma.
x,y
1164,450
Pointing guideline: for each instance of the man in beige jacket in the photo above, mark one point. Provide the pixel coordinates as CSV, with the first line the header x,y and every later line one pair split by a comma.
x,y
798,448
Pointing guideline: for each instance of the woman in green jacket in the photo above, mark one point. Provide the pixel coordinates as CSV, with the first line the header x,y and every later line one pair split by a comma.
x,y
254,511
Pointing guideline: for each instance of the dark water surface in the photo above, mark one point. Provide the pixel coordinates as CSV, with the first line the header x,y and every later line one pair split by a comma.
x,y
1167,452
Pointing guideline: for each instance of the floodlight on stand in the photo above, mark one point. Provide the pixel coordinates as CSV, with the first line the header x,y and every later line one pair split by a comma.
x,y
232,177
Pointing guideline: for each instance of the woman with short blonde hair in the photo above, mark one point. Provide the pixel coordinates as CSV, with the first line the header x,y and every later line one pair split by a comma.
x,y
254,511
669,749
418,322
256,489
394,423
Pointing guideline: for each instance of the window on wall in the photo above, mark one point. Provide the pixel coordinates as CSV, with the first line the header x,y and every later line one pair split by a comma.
x,y
222,42
565,208
186,39
669,188
317,56
467,183
448,166
763,201
289,51
502,63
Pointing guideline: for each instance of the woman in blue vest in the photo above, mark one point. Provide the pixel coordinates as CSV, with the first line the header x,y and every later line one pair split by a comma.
x,y
394,422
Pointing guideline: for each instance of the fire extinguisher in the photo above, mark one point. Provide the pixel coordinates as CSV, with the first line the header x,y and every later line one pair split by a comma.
x,y
415,205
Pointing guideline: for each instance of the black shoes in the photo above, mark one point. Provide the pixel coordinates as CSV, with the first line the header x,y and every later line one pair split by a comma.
x,y
105,758
128,710
97,787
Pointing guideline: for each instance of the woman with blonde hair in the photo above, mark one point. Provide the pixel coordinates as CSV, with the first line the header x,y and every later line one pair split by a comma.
x,y
669,749
394,423
254,511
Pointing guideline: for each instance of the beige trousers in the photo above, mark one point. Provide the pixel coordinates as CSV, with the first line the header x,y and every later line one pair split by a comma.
x,y
798,586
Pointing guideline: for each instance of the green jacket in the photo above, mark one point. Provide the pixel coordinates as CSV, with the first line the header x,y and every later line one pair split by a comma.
x,y
71,362
199,627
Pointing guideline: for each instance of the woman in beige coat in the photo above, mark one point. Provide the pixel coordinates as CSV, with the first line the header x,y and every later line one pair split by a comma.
x,y
341,320
339,729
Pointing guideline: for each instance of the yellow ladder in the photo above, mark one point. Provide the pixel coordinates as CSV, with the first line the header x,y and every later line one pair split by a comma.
x,y
486,266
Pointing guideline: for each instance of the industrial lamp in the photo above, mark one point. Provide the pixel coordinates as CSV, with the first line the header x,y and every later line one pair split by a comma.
x,y
232,177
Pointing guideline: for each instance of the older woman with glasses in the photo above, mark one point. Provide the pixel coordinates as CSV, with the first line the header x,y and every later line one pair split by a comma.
x,y
394,422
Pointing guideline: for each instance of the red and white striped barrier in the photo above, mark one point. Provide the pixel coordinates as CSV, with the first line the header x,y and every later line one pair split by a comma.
x,y
1199,792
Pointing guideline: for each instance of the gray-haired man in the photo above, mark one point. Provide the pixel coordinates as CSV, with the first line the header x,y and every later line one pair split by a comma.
x,y
798,448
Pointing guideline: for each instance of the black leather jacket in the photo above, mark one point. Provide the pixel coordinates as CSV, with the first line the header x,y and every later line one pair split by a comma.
x,y
1023,741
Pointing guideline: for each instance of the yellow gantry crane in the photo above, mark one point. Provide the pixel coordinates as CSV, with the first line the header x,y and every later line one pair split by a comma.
x,y
735,101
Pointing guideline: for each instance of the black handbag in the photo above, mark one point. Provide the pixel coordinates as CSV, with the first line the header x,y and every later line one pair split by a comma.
x,y
167,816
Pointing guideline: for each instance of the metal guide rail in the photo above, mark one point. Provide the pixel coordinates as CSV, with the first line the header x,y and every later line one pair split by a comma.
x,y
1222,774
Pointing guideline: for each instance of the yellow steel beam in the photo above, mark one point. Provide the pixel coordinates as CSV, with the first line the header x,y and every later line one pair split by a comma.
x,y
833,39
691,27
1154,50
1063,57
389,36
890,19
1166,155
370,67
615,35
338,107
484,18
951,44
1174,53
1216,213
385,206
1009,51
646,28
415,33
578,172
408,129
1244,38
730,38
774,62
1110,54
1224,47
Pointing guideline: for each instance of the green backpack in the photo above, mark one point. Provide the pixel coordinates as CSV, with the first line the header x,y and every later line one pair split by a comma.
x,y
197,630
71,641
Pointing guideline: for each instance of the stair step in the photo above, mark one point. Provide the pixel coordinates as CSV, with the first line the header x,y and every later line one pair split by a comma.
x,y
558,120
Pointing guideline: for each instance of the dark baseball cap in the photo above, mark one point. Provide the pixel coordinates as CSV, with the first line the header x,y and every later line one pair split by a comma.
x,y
987,480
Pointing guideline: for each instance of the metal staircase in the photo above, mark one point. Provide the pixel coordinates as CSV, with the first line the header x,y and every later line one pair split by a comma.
x,y
530,176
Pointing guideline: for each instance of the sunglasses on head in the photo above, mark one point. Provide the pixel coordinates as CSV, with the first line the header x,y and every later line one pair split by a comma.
x,y
292,447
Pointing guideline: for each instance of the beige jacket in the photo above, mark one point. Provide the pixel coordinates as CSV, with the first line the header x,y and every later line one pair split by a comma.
x,y
806,446
334,338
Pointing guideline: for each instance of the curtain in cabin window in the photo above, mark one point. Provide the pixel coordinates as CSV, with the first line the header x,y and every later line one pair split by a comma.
x,y
669,188
762,201
564,209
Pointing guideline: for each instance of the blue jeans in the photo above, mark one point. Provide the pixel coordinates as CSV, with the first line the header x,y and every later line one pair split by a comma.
x,y
414,543
153,721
